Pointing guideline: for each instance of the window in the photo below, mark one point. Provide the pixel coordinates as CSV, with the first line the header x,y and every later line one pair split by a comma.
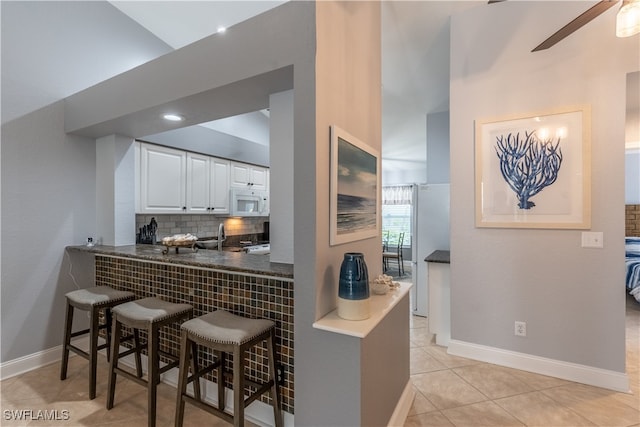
x,y
396,219
396,213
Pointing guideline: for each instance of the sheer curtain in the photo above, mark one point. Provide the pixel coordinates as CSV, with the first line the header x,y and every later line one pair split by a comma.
x,y
397,195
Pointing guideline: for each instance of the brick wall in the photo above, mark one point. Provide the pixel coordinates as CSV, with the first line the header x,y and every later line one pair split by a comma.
x,y
632,220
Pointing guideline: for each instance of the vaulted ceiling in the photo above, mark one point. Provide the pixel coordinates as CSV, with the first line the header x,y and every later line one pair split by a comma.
x,y
51,50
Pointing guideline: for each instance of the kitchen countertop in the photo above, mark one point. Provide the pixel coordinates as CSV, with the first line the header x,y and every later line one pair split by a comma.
x,y
220,260
439,256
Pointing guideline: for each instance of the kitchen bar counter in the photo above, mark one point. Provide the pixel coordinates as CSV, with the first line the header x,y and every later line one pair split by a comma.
x,y
247,285
210,259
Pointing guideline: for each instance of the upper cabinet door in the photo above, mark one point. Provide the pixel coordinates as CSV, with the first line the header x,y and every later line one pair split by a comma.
x,y
240,175
198,183
219,186
248,176
162,179
258,178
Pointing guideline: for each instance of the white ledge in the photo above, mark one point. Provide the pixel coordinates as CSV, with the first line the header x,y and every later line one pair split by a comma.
x,y
380,305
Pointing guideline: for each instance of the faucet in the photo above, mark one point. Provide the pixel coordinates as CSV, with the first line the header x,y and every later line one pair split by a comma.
x,y
221,235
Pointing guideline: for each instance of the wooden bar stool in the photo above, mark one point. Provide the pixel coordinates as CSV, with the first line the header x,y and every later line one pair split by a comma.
x,y
92,300
226,333
149,314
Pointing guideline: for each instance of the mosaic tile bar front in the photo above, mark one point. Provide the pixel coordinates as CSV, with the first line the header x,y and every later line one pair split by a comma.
x,y
208,290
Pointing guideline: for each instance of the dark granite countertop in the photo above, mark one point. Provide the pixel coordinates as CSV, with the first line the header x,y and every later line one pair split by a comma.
x,y
443,257
232,261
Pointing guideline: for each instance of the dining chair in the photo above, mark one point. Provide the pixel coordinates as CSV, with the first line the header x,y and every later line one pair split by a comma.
x,y
396,255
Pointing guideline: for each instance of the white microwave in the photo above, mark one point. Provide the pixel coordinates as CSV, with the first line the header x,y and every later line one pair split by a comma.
x,y
246,202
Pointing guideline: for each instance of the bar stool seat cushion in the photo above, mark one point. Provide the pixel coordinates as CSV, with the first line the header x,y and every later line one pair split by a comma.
x,y
142,312
96,296
223,327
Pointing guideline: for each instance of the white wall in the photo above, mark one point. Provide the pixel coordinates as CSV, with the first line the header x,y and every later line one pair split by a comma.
x,y
115,196
397,172
572,298
48,202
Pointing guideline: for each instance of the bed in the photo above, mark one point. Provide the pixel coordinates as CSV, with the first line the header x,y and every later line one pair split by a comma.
x,y
632,261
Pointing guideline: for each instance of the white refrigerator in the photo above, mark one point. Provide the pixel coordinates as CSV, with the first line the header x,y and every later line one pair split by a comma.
x,y
430,232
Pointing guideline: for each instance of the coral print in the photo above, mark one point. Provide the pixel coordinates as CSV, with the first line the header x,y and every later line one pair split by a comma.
x,y
528,164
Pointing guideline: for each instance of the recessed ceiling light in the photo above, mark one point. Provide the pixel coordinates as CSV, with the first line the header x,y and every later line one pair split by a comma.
x,y
173,117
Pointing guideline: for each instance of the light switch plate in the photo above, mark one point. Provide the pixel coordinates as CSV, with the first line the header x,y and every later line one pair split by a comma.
x,y
592,239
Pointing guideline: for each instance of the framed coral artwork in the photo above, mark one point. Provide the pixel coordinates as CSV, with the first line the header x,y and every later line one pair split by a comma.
x,y
534,170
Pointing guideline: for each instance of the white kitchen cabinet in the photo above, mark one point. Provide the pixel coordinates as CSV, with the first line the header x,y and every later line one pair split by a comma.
x,y
177,181
207,184
248,176
219,186
198,183
162,179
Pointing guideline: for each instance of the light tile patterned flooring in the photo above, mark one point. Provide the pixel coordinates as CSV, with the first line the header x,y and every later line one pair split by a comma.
x,y
453,391
450,391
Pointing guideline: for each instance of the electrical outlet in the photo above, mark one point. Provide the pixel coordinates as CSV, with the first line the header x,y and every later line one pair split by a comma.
x,y
280,374
521,329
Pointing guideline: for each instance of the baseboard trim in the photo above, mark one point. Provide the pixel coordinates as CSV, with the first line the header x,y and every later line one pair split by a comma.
x,y
584,374
37,360
403,406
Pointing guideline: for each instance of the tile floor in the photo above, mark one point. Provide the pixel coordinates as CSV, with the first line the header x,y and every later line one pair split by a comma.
x,y
450,391
453,391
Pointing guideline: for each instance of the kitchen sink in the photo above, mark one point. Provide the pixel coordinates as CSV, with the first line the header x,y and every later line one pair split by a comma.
x,y
207,244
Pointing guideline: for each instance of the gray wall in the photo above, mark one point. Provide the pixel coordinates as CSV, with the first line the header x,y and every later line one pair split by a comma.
x,y
281,176
48,177
35,33
438,148
213,143
572,298
48,202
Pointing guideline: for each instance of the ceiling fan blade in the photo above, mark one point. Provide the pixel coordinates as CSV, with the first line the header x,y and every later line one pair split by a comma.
x,y
577,23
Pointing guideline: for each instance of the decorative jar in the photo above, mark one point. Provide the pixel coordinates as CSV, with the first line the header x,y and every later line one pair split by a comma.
x,y
353,290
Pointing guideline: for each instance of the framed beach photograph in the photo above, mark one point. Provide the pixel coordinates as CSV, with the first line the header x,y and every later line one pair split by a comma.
x,y
534,170
355,184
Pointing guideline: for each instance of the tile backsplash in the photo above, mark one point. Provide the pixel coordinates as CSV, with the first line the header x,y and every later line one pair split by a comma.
x,y
201,225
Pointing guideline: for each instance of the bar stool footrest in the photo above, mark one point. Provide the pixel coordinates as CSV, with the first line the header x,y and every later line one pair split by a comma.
x,y
128,375
261,389
78,351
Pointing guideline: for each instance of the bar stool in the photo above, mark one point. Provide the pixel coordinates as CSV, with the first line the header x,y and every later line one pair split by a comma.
x,y
92,300
149,314
226,333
